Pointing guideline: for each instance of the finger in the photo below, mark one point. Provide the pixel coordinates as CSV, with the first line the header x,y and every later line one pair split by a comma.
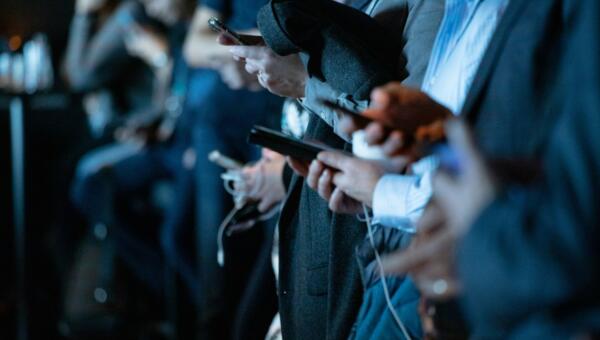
x,y
252,67
247,52
265,205
300,167
375,134
432,219
445,191
336,202
314,173
393,144
348,125
325,185
335,159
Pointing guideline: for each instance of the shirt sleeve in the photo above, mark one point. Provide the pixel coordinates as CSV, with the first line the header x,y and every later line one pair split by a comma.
x,y
399,200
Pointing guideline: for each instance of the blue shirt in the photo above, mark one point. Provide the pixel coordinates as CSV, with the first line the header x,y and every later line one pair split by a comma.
x,y
462,40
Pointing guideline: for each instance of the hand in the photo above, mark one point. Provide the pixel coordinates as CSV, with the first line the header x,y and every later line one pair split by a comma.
x,y
401,114
89,6
235,76
455,204
355,177
399,107
263,182
320,179
148,45
283,76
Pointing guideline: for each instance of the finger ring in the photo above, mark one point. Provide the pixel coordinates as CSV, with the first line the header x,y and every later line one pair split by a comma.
x,y
440,287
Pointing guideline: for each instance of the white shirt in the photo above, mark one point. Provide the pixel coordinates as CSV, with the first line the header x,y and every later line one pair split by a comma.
x,y
464,35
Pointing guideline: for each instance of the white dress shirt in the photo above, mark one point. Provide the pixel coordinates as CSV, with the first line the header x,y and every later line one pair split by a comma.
x,y
465,32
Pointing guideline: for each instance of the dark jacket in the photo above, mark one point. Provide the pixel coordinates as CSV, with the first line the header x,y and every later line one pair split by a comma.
x,y
530,263
319,286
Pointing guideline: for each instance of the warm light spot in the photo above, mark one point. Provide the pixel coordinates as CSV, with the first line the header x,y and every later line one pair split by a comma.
x,y
14,43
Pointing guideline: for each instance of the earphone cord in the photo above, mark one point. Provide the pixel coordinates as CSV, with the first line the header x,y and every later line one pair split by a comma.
x,y
386,291
222,227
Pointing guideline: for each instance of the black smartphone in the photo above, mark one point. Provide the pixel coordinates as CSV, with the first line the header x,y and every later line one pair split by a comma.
x,y
219,27
284,144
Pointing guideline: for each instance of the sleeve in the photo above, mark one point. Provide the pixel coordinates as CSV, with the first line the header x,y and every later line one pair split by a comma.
x,y
94,60
535,248
399,200
316,90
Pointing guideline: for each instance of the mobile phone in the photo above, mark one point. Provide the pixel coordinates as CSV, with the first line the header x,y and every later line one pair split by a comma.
x,y
284,144
224,161
219,27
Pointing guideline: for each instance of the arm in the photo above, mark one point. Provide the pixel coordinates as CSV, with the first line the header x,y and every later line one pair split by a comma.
x,y
537,247
547,233
91,62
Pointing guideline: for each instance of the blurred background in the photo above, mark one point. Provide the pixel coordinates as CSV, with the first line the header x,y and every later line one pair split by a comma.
x,y
56,135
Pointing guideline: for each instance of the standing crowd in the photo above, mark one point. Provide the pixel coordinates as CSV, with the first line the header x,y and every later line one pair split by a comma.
x,y
457,195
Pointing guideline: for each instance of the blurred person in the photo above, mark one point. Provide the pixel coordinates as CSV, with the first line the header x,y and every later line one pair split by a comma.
x,y
97,62
493,113
231,103
397,189
161,137
319,289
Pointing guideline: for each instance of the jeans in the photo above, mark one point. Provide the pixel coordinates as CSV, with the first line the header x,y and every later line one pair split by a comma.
x,y
106,185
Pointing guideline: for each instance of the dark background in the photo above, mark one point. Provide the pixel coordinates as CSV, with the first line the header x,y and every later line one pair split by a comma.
x,y
55,134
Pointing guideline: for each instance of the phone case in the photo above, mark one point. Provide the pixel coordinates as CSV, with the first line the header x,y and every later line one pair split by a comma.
x,y
285,144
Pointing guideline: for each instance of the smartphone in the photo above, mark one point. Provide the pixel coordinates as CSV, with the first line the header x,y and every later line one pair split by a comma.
x,y
219,27
284,144
224,161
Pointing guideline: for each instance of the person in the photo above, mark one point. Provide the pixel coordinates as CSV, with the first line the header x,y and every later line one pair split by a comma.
x,y
231,103
482,107
96,59
319,286
162,140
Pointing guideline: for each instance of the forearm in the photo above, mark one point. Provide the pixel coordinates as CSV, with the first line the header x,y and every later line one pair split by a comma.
x,y
79,36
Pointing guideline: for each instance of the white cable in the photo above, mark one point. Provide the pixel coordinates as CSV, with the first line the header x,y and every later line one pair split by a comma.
x,y
222,227
386,291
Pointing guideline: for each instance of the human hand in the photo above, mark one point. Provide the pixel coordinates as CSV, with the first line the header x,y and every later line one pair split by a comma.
x,y
283,76
235,76
401,117
147,44
263,182
456,202
320,179
89,6
406,109
355,177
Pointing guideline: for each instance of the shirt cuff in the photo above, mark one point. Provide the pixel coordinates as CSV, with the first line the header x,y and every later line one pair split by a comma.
x,y
390,201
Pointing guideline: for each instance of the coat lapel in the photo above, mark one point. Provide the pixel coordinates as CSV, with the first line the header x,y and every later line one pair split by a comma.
x,y
488,63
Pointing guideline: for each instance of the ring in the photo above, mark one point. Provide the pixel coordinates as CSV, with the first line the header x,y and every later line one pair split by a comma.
x,y
440,287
